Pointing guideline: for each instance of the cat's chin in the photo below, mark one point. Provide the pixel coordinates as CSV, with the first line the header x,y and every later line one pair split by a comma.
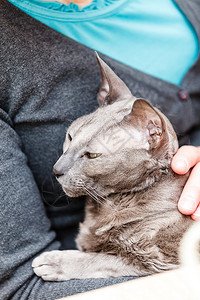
x,y
70,193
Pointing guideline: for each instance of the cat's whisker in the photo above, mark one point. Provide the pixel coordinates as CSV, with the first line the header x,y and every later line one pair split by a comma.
x,y
98,195
90,193
93,196
107,202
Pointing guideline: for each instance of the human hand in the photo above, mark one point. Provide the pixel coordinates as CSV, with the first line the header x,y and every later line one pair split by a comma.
x,y
186,158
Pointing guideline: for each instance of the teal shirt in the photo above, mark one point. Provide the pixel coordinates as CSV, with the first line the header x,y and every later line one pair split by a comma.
x,y
152,36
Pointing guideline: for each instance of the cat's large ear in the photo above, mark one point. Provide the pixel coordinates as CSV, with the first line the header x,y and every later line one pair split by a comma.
x,y
154,126
112,87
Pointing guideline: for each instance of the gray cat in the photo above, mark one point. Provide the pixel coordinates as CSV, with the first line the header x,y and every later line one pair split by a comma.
x,y
119,156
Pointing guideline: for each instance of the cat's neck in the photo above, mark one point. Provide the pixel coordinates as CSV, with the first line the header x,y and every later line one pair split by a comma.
x,y
161,171
159,199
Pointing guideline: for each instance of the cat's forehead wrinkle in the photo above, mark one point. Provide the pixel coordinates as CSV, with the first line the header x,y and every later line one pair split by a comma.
x,y
87,127
102,131
117,139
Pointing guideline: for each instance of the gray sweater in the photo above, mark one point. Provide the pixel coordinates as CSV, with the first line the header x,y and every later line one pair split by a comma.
x,y
46,81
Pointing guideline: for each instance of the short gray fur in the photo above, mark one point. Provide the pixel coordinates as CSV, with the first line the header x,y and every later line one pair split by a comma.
x,y
47,81
120,156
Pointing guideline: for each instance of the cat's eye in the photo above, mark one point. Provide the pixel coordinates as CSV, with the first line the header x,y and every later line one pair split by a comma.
x,y
69,137
92,155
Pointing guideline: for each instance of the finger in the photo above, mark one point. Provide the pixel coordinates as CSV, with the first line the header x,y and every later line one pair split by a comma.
x,y
196,215
190,197
185,158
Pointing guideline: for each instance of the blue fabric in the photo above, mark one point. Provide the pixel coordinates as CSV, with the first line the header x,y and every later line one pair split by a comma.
x,y
151,36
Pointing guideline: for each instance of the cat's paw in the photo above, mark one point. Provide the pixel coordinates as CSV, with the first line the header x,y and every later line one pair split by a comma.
x,y
53,265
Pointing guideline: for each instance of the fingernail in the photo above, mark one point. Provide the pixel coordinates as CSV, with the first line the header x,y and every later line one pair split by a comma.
x,y
187,205
182,165
195,217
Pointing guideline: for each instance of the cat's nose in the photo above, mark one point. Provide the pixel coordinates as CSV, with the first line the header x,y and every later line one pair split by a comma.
x,y
58,173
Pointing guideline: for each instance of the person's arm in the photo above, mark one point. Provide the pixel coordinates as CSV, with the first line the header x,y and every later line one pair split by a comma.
x,y
186,158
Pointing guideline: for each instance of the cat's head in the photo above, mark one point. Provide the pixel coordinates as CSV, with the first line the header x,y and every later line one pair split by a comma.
x,y
117,147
